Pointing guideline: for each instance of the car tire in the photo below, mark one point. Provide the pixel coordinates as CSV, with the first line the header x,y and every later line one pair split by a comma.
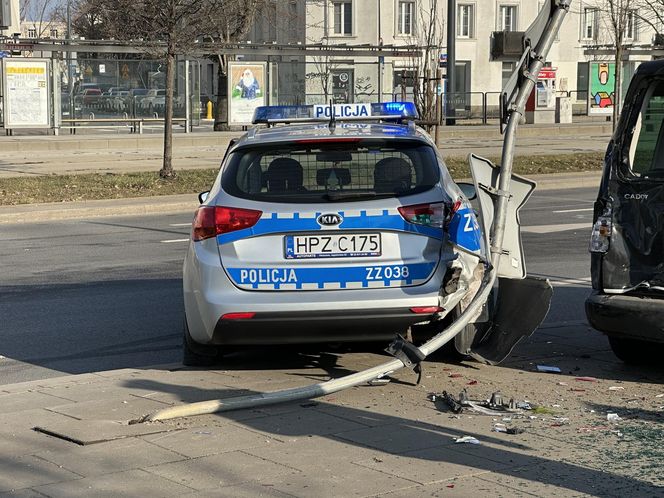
x,y
195,354
634,351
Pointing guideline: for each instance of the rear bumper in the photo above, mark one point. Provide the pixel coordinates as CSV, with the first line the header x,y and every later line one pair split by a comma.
x,y
284,317
316,326
631,317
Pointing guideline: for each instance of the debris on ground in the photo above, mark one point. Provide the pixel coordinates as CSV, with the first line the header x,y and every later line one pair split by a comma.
x,y
495,405
586,379
613,417
507,430
616,388
455,375
467,440
548,369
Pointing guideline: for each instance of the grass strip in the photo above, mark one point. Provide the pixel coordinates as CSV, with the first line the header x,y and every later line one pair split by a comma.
x,y
84,187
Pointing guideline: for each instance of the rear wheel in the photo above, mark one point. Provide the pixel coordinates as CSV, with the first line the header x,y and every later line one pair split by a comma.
x,y
636,352
195,354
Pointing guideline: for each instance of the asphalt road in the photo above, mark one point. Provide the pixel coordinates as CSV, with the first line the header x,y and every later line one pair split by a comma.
x,y
84,296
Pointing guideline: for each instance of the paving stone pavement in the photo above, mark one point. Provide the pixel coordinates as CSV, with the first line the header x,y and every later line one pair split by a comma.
x,y
387,441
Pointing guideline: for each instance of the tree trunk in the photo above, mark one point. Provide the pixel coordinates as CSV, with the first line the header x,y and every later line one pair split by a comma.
x,y
617,86
167,167
221,110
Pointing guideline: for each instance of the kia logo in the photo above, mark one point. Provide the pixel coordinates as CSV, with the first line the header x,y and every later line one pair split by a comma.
x,y
329,219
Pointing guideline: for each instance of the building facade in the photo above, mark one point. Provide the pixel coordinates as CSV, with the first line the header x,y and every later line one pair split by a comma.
x,y
404,23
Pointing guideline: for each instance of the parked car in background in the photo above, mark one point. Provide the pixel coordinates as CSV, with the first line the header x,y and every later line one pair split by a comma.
x,y
154,99
627,240
91,97
117,101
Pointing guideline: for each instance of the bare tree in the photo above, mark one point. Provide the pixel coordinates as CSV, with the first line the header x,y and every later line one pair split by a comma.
x,y
232,23
167,28
42,14
616,18
89,19
430,38
619,14
651,13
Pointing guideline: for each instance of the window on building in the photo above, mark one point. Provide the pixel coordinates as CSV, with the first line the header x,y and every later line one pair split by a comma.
x,y
54,33
507,18
465,21
508,69
406,18
32,32
589,26
343,18
631,25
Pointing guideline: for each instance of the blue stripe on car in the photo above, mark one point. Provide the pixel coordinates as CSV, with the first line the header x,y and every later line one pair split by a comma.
x,y
417,272
464,230
384,221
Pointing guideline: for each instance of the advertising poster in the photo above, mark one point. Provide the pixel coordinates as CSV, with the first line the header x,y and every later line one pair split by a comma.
x,y
246,91
26,90
602,81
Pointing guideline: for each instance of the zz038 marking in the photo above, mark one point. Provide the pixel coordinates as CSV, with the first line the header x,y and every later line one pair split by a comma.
x,y
387,272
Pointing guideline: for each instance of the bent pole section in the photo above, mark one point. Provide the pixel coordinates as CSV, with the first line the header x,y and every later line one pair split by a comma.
x,y
539,54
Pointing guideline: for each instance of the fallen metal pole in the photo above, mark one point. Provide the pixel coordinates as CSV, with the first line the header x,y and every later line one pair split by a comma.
x,y
439,340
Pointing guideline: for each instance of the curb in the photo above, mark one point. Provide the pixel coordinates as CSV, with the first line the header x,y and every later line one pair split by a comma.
x,y
187,203
77,210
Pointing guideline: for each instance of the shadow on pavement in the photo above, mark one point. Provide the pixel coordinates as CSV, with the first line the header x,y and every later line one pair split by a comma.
x,y
409,441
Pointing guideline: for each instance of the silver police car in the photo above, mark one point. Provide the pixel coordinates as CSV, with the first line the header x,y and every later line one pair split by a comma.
x,y
333,223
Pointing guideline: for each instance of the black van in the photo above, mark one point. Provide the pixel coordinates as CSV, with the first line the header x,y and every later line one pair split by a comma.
x,y
627,241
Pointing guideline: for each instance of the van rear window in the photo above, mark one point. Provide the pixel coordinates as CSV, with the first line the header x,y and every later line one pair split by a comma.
x,y
330,171
647,151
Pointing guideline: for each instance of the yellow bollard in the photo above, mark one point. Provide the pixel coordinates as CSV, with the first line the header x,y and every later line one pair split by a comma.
x,y
209,110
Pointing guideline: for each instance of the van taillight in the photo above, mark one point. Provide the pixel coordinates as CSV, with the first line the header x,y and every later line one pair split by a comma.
x,y
211,221
432,215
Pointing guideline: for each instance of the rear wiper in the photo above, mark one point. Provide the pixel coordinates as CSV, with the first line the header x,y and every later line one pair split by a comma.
x,y
341,195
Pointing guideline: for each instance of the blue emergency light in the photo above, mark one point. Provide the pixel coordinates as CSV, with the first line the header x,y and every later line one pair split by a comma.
x,y
383,111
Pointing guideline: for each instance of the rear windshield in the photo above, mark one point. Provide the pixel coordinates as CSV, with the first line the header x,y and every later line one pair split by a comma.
x,y
329,172
647,147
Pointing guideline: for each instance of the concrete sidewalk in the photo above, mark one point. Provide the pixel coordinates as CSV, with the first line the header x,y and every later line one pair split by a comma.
x,y
187,203
70,437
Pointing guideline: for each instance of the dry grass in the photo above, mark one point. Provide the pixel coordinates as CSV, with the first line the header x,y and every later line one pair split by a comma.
x,y
65,188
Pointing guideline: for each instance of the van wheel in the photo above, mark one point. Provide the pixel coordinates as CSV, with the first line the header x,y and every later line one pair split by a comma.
x,y
634,351
195,354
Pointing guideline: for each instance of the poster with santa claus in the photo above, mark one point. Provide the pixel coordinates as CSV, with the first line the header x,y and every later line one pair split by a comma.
x,y
246,91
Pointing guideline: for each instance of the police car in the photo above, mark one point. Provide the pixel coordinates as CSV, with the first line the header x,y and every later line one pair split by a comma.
x,y
330,223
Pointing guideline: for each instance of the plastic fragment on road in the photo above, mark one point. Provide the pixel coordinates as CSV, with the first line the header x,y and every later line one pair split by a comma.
x,y
562,383
660,396
472,383
616,388
507,430
586,379
523,405
466,440
613,417
548,369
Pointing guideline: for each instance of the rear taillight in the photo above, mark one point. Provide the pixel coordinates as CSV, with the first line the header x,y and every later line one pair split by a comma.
x,y
432,215
211,221
426,310
600,238
241,315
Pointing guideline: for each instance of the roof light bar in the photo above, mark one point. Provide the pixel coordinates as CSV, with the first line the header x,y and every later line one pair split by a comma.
x,y
382,111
